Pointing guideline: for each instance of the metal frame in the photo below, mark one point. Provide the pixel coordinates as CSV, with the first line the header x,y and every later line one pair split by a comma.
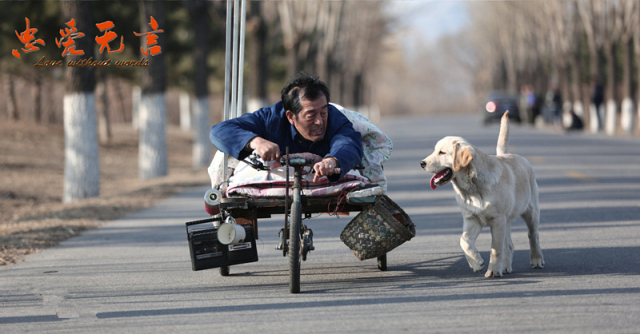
x,y
234,64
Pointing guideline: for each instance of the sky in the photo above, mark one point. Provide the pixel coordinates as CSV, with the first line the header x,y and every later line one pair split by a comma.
x,y
418,26
427,20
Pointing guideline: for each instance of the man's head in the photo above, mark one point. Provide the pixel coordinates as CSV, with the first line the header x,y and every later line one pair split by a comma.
x,y
306,101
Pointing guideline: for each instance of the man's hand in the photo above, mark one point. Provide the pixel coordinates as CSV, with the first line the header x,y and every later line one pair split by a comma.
x,y
267,150
325,167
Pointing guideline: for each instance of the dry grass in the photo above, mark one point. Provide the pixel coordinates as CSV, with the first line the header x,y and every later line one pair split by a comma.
x,y
32,216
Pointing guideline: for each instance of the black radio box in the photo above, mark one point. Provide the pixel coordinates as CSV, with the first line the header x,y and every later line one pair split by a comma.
x,y
207,252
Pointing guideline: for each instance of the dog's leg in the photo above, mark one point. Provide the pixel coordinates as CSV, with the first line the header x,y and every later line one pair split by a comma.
x,y
508,256
471,230
498,241
532,218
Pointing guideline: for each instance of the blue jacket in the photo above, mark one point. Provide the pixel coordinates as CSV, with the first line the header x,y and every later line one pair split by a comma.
x,y
340,140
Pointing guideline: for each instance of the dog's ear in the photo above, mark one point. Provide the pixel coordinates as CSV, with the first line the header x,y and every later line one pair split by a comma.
x,y
461,157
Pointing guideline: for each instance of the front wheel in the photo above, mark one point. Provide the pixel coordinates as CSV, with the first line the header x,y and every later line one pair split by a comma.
x,y
224,271
294,247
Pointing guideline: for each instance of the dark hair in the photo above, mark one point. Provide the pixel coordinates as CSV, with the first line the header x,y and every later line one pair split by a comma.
x,y
302,85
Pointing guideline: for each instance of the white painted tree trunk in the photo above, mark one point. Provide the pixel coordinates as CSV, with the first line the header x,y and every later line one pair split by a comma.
x,y
81,155
136,92
153,161
578,109
185,112
567,117
104,122
594,119
612,117
254,104
628,118
202,126
638,115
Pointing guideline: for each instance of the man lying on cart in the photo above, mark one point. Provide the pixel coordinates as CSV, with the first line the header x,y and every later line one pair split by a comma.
x,y
305,122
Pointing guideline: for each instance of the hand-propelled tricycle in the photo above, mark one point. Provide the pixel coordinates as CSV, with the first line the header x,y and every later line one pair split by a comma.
x,y
380,226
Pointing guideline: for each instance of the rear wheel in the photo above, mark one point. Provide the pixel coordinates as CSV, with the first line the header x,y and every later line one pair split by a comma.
x,y
224,271
294,247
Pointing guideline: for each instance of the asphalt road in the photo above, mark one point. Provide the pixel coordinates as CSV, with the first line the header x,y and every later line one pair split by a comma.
x,y
134,275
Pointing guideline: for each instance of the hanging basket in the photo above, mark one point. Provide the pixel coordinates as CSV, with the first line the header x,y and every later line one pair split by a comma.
x,y
378,229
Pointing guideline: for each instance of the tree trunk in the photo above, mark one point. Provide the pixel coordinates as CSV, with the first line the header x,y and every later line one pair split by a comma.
x,y
82,163
358,91
332,27
595,112
611,105
202,126
578,108
259,58
567,106
117,87
185,111
136,94
637,52
104,120
37,99
152,153
627,120
51,105
12,103
509,62
346,89
290,36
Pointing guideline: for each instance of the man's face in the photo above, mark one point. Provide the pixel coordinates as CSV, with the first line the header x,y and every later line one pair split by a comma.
x,y
311,122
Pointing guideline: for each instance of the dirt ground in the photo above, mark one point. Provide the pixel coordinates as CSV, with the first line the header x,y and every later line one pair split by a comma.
x,y
32,215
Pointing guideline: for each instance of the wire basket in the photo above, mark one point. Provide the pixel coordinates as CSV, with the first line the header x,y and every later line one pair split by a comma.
x,y
378,229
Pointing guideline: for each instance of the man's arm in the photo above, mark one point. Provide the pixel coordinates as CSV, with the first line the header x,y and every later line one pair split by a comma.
x,y
234,135
346,147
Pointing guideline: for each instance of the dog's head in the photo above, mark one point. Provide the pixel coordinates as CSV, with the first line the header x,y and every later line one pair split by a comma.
x,y
451,155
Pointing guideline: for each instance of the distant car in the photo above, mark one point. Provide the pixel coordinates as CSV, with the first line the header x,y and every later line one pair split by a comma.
x,y
499,102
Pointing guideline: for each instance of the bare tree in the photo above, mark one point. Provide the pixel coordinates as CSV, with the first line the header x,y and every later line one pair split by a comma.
x,y
593,19
611,30
562,28
636,43
259,57
199,12
82,168
357,43
37,98
153,160
330,21
12,102
298,21
629,20
104,119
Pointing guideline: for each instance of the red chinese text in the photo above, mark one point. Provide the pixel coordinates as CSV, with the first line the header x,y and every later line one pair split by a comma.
x,y
152,39
27,38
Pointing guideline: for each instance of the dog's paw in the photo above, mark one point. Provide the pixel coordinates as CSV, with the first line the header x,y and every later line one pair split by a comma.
x,y
507,268
494,270
475,264
493,273
537,261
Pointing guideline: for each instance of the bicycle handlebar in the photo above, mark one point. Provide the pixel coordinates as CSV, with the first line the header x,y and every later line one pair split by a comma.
x,y
294,161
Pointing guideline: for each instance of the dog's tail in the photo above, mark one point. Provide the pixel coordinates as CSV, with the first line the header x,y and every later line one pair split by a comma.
x,y
503,137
